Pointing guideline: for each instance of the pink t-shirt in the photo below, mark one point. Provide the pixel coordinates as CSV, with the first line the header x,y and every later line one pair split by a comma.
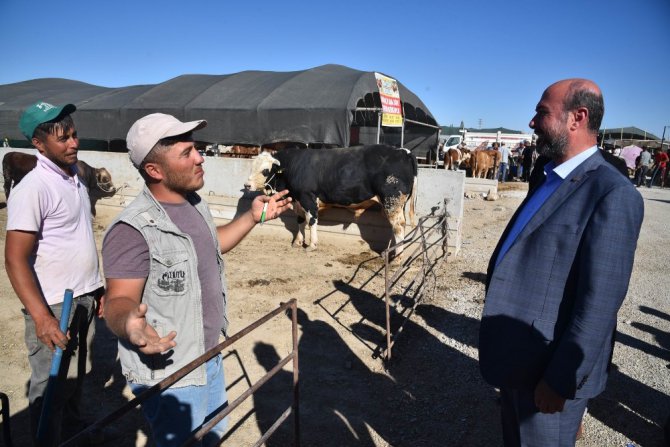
x,y
56,207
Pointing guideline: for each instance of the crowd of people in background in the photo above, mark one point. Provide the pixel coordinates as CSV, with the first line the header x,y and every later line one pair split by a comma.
x,y
516,164
650,166
657,165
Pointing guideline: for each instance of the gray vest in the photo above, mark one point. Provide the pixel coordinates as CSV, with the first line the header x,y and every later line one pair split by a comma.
x,y
172,293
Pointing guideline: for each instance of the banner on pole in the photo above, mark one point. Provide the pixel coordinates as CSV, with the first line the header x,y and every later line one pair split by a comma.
x,y
390,98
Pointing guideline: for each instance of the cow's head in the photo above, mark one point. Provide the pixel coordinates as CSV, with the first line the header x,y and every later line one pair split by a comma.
x,y
104,184
264,169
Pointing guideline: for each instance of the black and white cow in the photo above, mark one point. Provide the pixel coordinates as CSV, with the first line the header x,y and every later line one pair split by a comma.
x,y
353,177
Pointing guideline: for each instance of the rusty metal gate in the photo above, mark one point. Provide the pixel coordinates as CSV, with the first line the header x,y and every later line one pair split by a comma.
x,y
428,245
169,381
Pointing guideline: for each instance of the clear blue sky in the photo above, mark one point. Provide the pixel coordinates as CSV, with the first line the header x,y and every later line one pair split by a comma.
x,y
472,60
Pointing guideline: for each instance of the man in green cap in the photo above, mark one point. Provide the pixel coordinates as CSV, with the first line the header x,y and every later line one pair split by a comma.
x,y
50,247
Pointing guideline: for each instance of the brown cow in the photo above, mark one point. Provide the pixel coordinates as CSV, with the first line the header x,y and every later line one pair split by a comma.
x,y
15,166
483,161
454,157
98,181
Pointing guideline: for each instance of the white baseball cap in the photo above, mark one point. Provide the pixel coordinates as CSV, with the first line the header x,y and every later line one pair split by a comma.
x,y
147,131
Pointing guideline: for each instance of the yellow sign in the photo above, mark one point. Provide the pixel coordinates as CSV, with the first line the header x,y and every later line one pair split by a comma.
x,y
390,99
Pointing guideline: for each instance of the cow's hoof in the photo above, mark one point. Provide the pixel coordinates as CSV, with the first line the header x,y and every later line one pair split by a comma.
x,y
311,248
298,244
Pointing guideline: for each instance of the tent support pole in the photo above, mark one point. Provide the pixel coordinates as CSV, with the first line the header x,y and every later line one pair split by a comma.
x,y
420,123
379,125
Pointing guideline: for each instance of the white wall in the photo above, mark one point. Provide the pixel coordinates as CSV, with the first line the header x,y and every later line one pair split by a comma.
x,y
225,177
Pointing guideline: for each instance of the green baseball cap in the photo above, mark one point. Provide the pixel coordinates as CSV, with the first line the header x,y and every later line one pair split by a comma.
x,y
41,112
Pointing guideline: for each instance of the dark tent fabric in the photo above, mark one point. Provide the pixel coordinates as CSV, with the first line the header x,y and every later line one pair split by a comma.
x,y
314,106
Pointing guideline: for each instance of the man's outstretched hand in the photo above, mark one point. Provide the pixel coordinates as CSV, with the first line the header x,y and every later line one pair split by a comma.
x,y
143,335
273,206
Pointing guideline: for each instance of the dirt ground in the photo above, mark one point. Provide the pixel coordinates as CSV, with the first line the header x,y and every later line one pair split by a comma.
x,y
430,394
347,395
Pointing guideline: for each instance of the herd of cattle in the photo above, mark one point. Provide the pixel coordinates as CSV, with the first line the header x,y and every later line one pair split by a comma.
x,y
481,162
355,178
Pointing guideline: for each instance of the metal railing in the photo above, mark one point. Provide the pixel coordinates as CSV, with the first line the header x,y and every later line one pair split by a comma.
x,y
429,243
178,375
429,240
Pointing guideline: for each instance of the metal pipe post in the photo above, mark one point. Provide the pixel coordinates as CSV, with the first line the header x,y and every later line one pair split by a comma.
x,y
43,426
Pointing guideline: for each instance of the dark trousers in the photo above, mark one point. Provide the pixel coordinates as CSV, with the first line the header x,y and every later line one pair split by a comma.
x,y
523,425
660,173
67,386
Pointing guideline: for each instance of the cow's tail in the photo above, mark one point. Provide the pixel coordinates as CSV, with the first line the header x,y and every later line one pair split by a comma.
x,y
413,195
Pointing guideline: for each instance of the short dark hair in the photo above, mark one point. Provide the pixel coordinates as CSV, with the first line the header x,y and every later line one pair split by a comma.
x,y
580,95
63,123
156,153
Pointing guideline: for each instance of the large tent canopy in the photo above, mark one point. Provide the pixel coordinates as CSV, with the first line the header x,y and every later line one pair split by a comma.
x,y
318,105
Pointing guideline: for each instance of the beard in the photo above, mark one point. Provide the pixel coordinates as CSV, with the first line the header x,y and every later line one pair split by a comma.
x,y
553,142
182,183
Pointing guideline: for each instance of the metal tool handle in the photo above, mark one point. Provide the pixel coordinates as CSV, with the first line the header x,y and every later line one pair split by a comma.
x,y
43,427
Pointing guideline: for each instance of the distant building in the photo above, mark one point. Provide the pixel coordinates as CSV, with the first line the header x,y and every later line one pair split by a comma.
x,y
625,136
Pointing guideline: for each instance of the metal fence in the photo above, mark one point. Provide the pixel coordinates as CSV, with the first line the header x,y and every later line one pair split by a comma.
x,y
174,378
405,280
427,244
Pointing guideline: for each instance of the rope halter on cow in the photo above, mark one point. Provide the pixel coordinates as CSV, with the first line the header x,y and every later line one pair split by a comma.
x,y
268,189
106,186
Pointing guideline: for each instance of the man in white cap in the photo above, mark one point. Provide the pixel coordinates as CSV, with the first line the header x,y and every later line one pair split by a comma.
x,y
50,247
166,292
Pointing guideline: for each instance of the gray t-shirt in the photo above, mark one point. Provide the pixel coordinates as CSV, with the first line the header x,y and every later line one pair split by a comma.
x,y
126,255
645,158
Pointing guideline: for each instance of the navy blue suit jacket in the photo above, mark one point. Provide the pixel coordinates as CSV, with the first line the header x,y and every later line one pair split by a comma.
x,y
552,301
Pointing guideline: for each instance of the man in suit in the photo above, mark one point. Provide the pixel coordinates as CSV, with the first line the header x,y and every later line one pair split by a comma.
x,y
558,276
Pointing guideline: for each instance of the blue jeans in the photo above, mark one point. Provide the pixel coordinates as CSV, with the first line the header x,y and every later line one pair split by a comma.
x,y
177,412
502,173
641,175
